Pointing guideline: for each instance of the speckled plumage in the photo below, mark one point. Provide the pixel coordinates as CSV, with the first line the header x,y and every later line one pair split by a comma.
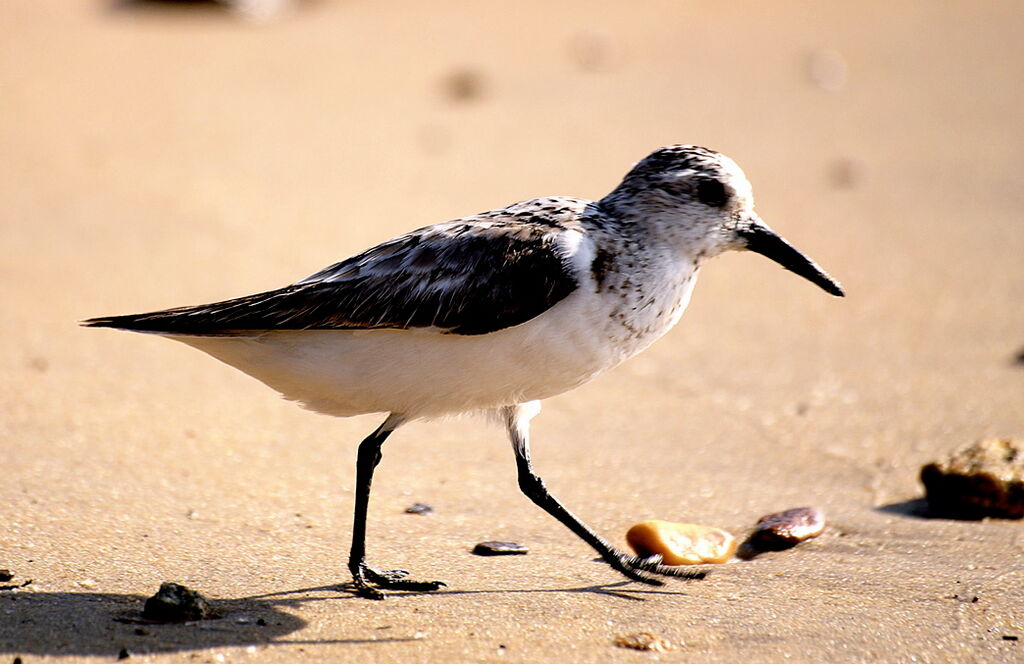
x,y
469,276
473,275
491,312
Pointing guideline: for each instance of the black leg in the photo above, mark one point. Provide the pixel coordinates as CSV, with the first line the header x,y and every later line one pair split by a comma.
x,y
362,574
517,421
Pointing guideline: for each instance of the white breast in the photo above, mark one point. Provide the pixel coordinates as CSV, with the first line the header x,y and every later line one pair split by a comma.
x,y
424,373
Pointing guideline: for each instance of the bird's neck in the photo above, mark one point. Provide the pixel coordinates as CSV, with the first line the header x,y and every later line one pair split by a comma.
x,y
660,229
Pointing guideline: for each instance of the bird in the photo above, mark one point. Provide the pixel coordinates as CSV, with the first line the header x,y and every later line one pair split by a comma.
x,y
491,313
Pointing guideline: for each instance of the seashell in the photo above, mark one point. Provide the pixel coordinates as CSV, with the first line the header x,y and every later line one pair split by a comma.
x,y
782,530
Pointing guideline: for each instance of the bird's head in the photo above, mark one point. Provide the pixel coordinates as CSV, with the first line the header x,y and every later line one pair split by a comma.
x,y
701,199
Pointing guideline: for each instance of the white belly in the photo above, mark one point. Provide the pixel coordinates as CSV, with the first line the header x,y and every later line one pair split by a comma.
x,y
422,373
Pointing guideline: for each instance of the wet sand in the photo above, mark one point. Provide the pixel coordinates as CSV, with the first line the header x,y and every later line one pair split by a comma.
x,y
154,157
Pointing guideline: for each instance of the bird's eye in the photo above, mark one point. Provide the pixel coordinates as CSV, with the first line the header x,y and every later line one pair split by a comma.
x,y
712,192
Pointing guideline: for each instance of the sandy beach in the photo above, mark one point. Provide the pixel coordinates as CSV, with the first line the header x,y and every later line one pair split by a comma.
x,y
155,155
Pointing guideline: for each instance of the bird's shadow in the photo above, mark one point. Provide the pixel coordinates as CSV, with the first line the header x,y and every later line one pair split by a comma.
x,y
637,593
106,624
916,508
919,508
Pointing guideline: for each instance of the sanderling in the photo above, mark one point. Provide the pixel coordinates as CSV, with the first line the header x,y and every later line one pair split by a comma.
x,y
493,313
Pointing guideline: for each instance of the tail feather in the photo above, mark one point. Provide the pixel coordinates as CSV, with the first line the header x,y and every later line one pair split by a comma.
x,y
181,321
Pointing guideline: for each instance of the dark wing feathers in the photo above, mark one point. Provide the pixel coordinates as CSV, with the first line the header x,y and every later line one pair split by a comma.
x,y
460,277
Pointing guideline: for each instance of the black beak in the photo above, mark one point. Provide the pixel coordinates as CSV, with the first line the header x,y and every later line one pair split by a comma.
x,y
763,240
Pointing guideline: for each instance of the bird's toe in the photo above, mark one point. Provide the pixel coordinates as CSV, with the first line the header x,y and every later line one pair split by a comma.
x,y
371,583
641,569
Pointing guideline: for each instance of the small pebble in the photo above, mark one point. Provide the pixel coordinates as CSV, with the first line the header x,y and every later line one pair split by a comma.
x,y
142,631
176,603
783,530
419,508
500,549
123,654
6,575
88,584
645,641
978,480
681,543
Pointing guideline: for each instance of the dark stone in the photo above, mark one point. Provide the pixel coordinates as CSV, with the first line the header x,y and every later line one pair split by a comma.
x,y
978,480
419,508
176,603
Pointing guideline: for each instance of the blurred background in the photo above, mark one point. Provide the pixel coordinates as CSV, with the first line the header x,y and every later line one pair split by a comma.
x,y
155,154
158,153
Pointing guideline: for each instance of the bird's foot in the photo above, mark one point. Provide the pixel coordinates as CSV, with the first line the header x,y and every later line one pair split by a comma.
x,y
640,569
371,583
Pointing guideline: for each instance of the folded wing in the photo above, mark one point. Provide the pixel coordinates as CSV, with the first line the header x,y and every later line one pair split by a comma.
x,y
461,277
